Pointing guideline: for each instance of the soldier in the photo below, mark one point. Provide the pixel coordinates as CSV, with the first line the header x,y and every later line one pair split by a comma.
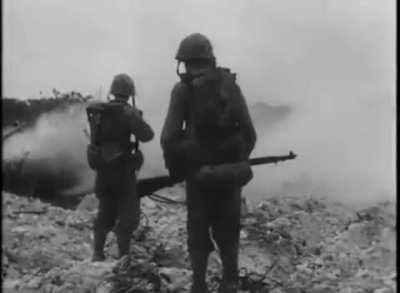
x,y
207,138
110,154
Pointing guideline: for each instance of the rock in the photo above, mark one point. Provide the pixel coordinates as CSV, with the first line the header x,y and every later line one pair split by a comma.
x,y
294,290
383,290
276,290
279,223
11,284
319,261
12,273
304,268
177,279
358,233
243,234
88,204
322,288
34,283
249,221
388,238
22,229
104,287
5,260
287,244
172,257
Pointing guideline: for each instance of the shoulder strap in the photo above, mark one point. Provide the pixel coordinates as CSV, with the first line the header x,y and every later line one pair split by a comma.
x,y
94,112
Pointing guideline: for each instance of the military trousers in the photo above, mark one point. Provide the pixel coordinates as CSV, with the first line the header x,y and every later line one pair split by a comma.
x,y
213,213
119,203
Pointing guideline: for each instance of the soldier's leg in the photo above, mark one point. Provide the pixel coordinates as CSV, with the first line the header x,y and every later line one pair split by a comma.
x,y
104,222
226,232
199,242
128,214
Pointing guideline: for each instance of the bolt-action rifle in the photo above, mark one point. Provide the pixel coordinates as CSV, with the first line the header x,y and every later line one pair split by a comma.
x,y
147,186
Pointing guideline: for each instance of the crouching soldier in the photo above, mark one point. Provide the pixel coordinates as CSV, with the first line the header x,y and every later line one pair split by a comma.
x,y
115,158
207,139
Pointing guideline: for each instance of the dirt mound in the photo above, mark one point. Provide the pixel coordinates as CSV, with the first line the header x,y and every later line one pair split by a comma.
x,y
287,245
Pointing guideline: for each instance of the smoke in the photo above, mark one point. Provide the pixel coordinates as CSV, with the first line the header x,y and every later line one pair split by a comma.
x,y
55,150
346,152
56,147
331,62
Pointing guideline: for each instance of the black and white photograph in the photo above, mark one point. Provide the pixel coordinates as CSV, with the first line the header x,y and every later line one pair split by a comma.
x,y
199,146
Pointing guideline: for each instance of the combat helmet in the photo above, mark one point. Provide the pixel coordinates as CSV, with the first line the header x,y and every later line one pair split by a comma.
x,y
195,46
122,85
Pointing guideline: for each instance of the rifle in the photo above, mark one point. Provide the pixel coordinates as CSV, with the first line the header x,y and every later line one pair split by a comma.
x,y
272,159
149,185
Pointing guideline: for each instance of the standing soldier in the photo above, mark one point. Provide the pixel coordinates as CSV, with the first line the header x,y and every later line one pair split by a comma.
x,y
207,138
110,154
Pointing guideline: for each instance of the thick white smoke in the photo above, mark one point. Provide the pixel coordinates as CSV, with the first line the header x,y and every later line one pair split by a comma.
x,y
58,141
346,152
332,62
57,144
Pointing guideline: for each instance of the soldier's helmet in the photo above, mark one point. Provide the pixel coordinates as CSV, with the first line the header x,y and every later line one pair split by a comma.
x,y
195,46
122,85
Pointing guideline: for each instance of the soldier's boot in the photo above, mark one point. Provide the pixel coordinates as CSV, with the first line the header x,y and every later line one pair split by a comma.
x,y
199,261
230,278
123,241
98,247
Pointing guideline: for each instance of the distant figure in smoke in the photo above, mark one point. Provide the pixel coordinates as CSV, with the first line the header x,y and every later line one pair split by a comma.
x,y
110,154
207,138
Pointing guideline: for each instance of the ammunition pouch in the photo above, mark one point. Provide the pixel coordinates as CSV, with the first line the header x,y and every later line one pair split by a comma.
x,y
97,160
228,174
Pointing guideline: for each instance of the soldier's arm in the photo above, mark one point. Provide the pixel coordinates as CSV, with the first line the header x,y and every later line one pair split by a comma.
x,y
246,124
173,125
142,131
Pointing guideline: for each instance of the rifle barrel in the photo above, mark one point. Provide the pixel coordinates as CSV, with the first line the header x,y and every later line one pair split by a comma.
x,y
272,159
264,160
147,186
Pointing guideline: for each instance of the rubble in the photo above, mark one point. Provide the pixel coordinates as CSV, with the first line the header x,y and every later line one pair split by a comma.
x,y
288,244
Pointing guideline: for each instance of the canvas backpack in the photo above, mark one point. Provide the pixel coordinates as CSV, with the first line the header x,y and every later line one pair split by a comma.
x,y
214,115
106,146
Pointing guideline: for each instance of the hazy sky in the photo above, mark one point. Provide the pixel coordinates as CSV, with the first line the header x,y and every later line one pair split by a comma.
x,y
333,61
282,50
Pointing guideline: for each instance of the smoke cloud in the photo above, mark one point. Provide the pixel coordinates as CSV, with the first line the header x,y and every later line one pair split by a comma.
x,y
345,153
332,63
56,145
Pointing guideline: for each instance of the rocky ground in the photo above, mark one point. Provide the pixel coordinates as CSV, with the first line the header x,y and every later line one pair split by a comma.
x,y
287,245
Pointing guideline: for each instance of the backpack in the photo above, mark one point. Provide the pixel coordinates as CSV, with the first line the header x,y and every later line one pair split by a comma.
x,y
109,141
214,115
